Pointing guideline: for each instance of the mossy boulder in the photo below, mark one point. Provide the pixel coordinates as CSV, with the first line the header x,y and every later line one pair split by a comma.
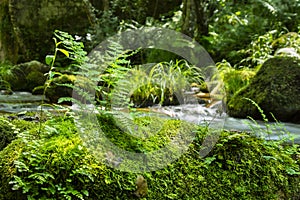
x,y
27,76
56,90
55,164
10,128
275,89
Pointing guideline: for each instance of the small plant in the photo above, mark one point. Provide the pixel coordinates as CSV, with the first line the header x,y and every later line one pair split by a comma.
x,y
6,75
234,79
44,159
164,82
270,128
50,60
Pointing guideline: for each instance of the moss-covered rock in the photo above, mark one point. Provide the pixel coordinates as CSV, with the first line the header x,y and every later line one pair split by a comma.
x,y
276,90
145,97
56,91
9,130
54,164
27,76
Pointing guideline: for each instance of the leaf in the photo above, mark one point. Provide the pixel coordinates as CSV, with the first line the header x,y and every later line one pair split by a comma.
x,y
64,52
65,99
85,192
49,59
291,171
209,160
269,157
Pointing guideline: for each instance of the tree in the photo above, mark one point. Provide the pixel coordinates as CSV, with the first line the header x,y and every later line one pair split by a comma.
x,y
196,15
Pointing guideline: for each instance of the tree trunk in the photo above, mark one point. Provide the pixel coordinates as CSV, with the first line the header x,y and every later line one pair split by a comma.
x,y
196,15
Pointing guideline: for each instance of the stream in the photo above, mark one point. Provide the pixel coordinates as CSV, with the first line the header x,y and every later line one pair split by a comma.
x,y
195,113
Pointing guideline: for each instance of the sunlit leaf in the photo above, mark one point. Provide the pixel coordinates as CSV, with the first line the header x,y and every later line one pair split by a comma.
x,y
49,59
64,52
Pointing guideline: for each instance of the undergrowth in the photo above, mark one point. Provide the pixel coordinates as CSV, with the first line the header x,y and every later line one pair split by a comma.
x,y
56,165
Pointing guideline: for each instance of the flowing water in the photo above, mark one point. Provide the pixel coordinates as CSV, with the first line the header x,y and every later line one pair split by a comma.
x,y
200,114
192,112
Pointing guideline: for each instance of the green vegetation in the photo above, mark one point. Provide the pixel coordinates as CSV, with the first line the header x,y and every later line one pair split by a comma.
x,y
273,89
48,159
5,75
54,164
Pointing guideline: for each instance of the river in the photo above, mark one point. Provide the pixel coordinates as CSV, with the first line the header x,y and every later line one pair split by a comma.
x,y
195,113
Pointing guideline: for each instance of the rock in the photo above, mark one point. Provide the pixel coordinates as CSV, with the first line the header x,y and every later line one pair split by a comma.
x,y
203,95
26,26
287,51
55,91
275,88
6,92
27,76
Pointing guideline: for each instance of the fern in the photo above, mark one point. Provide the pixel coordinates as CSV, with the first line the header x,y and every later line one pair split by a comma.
x,y
268,5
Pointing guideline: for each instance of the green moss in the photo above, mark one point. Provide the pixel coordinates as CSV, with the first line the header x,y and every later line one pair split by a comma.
x,y
56,91
54,164
34,79
7,170
9,130
275,88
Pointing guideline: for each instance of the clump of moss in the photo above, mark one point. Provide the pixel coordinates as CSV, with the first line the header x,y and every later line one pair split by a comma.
x,y
56,89
55,164
9,130
275,88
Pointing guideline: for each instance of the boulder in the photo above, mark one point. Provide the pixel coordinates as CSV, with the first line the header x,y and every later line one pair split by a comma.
x,y
26,26
27,76
275,88
56,90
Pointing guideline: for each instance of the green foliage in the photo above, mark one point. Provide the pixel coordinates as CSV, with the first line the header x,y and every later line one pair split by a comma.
x,y
58,78
6,75
55,165
106,25
234,27
10,129
158,83
234,79
133,10
290,39
259,50
163,81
